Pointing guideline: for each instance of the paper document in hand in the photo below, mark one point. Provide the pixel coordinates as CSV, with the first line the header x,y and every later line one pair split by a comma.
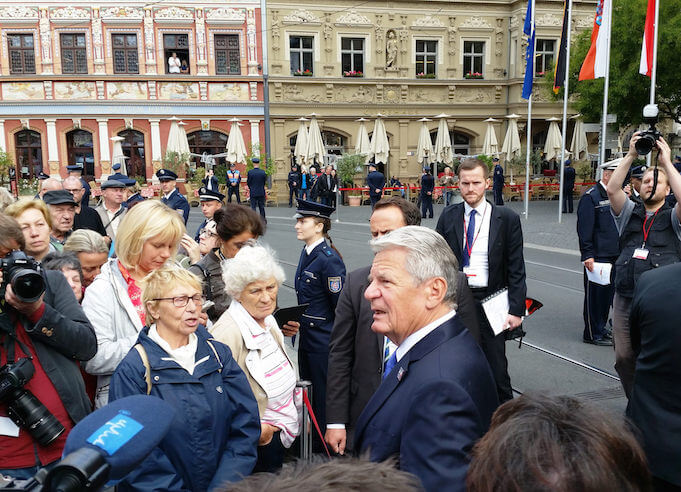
x,y
496,310
600,274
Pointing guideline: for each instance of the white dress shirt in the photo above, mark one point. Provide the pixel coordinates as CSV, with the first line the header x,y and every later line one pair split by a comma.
x,y
478,270
409,342
310,247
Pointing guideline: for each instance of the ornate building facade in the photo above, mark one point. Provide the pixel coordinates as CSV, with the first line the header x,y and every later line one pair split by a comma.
x,y
407,60
76,74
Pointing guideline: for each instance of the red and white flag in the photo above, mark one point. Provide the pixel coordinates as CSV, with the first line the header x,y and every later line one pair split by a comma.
x,y
594,65
646,67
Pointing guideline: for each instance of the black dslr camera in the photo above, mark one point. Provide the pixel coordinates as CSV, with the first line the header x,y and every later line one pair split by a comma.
x,y
24,274
650,136
23,407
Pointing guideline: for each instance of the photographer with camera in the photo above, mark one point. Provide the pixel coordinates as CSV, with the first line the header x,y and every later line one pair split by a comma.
x,y
43,335
649,235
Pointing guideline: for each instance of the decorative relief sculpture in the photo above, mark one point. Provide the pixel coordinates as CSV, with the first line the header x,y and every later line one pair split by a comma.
x,y
583,22
126,90
45,39
23,13
391,50
353,18
428,21
360,94
97,41
122,13
514,22
200,23
476,22
174,13
252,43
293,93
149,40
451,36
19,91
275,30
499,37
228,91
548,20
226,14
70,13
302,16
178,90
75,90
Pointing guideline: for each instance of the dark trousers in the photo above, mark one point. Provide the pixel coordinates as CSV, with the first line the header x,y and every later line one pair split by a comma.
x,y
233,190
427,206
625,358
597,302
313,367
374,199
258,201
303,194
494,348
567,202
498,192
270,456
292,193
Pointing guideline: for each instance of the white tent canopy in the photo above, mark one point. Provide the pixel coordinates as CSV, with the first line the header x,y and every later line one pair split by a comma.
x,y
443,142
301,142
236,148
424,147
177,137
490,145
553,140
117,156
315,144
511,146
379,148
362,143
579,144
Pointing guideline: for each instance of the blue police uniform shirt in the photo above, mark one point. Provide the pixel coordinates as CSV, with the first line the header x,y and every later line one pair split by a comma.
x,y
375,180
498,177
596,229
569,175
198,231
177,202
319,280
256,180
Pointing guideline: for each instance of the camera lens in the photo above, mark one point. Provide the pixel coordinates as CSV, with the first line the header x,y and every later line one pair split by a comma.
x,y
645,144
28,285
26,410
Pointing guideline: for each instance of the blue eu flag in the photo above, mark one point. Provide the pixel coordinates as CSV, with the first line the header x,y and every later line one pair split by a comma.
x,y
528,29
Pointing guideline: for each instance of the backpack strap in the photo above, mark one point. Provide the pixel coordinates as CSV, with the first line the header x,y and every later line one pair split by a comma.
x,y
147,367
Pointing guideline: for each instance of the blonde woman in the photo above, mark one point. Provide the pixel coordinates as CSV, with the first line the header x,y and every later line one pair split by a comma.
x,y
147,237
35,221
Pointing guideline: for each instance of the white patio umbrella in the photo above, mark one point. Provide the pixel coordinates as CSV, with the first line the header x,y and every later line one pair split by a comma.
x,y
117,156
379,147
301,142
236,148
177,138
362,143
511,146
579,143
490,145
443,143
315,144
553,140
424,147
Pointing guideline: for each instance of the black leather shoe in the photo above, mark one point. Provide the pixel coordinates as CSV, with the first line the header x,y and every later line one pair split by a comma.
x,y
602,342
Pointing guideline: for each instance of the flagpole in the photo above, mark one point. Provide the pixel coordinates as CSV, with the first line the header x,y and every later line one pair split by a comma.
x,y
533,39
566,84
601,159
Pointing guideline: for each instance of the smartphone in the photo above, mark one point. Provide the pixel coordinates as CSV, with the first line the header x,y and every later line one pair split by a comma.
x,y
207,305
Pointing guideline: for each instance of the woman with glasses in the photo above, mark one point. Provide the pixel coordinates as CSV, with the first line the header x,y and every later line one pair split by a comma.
x,y
252,279
235,226
214,433
147,237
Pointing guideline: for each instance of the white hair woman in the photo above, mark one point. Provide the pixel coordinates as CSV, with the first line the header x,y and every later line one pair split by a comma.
x,y
147,237
252,278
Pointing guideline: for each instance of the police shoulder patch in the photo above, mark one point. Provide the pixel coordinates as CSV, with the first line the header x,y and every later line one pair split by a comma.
x,y
335,285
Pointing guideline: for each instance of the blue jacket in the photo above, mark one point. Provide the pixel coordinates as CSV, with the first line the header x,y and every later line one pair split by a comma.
x,y
319,280
256,182
178,202
431,408
214,436
427,184
596,229
375,180
86,195
498,177
569,175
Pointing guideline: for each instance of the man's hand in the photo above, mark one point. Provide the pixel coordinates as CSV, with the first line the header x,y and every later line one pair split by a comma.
x,y
627,189
632,144
25,308
336,438
429,192
378,190
513,322
589,264
203,318
290,328
266,433
665,153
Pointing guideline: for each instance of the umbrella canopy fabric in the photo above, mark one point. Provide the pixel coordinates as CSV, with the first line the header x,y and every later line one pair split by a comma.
x,y
379,147
301,142
579,143
511,146
177,138
363,144
315,144
117,156
553,140
424,148
443,143
490,145
236,148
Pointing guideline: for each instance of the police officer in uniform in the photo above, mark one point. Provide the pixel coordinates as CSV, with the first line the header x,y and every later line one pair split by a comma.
x,y
568,186
427,189
211,201
294,179
498,182
233,183
171,195
319,279
598,242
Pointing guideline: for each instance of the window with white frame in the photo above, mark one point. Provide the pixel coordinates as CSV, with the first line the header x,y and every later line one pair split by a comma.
x,y
301,53
352,57
473,59
544,56
426,58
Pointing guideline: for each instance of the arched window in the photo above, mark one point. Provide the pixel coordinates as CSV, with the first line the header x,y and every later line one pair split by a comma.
x,y
29,154
461,143
133,149
208,141
539,140
334,143
80,150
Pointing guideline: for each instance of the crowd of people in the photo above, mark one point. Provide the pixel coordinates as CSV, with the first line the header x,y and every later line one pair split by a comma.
x,y
408,370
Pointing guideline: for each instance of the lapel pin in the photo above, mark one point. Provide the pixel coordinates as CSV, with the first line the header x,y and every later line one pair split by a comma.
x,y
400,374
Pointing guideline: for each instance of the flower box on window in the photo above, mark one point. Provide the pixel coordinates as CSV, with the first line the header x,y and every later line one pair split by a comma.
x,y
303,73
473,75
422,75
353,73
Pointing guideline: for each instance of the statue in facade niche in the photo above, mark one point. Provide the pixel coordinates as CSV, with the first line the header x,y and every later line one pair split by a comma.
x,y
391,50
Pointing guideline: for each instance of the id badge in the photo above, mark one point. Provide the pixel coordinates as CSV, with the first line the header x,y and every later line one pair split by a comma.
x,y
468,272
640,254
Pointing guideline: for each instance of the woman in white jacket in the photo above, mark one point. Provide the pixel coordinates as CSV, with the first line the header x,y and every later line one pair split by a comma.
x,y
147,237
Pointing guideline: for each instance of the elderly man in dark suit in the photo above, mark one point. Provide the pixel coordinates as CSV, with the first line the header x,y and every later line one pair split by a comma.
x,y
488,242
357,354
437,395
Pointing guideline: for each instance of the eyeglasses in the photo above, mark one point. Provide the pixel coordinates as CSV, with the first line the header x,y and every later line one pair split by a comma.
x,y
182,301
207,233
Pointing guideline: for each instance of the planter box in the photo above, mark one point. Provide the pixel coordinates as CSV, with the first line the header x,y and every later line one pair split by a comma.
x,y
354,200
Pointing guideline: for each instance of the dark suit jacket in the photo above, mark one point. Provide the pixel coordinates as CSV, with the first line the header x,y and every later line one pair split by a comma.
x,y
505,251
356,352
432,407
375,180
427,185
213,183
655,404
256,182
88,218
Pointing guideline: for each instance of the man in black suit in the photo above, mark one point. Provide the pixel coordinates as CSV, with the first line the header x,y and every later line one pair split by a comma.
x,y
376,183
427,188
325,186
569,175
655,403
256,184
437,395
357,354
488,242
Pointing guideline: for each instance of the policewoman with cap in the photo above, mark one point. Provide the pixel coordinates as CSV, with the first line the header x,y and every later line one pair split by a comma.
x,y
171,195
319,279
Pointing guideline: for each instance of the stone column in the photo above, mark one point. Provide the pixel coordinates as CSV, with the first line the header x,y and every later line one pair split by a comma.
x,y
255,134
52,147
279,150
404,145
104,154
3,142
156,155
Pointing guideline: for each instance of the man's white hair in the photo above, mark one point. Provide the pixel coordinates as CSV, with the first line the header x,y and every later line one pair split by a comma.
x,y
428,256
252,263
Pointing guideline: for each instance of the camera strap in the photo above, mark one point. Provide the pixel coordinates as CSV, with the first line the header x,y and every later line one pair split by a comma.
x,y
9,336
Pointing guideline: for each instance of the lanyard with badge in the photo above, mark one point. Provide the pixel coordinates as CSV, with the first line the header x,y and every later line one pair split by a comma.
x,y
642,253
467,268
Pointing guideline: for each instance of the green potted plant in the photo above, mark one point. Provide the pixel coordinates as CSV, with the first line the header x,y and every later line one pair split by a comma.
x,y
584,171
5,163
176,162
347,167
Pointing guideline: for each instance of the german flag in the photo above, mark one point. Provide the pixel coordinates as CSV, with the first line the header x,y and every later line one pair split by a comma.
x,y
561,57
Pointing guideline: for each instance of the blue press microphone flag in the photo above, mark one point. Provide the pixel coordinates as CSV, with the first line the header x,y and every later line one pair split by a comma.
x,y
528,29
124,432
